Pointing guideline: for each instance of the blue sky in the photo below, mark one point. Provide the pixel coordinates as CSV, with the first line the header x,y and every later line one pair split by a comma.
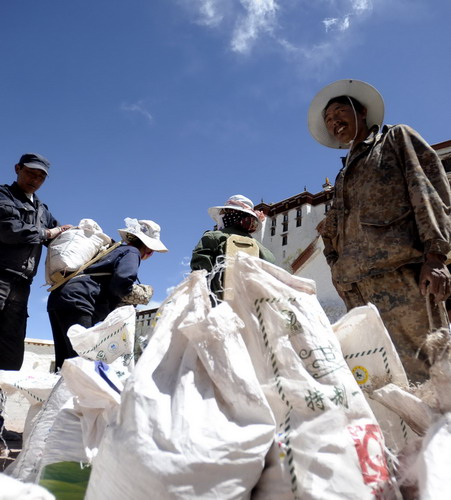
x,y
159,109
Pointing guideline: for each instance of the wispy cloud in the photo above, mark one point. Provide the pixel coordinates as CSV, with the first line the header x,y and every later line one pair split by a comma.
x,y
337,23
361,5
210,12
307,33
259,17
247,20
342,23
137,107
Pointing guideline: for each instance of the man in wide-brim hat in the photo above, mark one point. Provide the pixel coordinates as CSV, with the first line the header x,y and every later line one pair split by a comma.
x,y
388,233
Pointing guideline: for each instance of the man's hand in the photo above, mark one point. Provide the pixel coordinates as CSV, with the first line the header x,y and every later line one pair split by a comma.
x,y
435,277
56,231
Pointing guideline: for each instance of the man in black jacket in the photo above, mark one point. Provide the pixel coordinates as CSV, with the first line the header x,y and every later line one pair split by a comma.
x,y
25,225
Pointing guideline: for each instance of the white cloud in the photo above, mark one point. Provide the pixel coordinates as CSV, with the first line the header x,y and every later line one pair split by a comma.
x,y
137,107
339,24
206,12
247,20
361,5
259,17
312,35
356,8
210,12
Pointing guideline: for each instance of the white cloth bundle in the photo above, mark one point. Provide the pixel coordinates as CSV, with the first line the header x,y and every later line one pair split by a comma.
x,y
73,248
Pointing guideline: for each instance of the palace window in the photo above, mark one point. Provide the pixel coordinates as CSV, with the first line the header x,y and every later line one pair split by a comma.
x,y
299,217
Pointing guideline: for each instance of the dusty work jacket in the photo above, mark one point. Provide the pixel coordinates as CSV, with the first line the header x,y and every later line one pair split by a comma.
x,y
23,226
391,207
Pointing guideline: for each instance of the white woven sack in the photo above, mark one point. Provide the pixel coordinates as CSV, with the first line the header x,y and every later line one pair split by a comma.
x,y
65,440
108,340
95,401
74,247
434,461
329,442
81,422
28,463
372,358
193,421
34,386
12,489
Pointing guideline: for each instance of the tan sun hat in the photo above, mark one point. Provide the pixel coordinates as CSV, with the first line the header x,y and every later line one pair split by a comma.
x,y
146,231
367,95
236,202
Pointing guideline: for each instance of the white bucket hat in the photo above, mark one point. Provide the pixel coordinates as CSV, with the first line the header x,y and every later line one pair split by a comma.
x,y
147,231
236,202
367,95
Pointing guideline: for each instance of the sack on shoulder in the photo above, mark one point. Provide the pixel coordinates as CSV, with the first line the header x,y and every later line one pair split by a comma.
x,y
140,295
74,248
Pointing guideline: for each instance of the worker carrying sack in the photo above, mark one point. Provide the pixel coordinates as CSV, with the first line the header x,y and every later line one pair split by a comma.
x,y
73,248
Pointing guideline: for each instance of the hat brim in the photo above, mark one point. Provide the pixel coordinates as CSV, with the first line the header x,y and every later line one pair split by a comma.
x,y
36,166
213,212
366,94
152,243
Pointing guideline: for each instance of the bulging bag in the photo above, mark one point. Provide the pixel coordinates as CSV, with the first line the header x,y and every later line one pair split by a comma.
x,y
328,442
372,358
109,340
73,248
27,465
193,420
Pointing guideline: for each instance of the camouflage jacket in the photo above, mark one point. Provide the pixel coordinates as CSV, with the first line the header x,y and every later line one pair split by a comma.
x,y
391,206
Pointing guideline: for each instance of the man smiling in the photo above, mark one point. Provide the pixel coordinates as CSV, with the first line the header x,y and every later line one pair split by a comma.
x,y
388,233
25,225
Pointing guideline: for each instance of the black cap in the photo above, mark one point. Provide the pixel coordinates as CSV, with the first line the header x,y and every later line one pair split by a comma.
x,y
33,160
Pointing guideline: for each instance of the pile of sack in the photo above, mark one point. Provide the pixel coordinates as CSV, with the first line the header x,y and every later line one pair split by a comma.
x,y
258,397
70,411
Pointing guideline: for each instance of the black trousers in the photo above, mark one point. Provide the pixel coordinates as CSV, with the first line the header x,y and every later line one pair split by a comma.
x,y
14,293
61,320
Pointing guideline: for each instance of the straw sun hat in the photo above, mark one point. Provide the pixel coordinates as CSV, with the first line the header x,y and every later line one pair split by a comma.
x,y
367,95
146,231
236,202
